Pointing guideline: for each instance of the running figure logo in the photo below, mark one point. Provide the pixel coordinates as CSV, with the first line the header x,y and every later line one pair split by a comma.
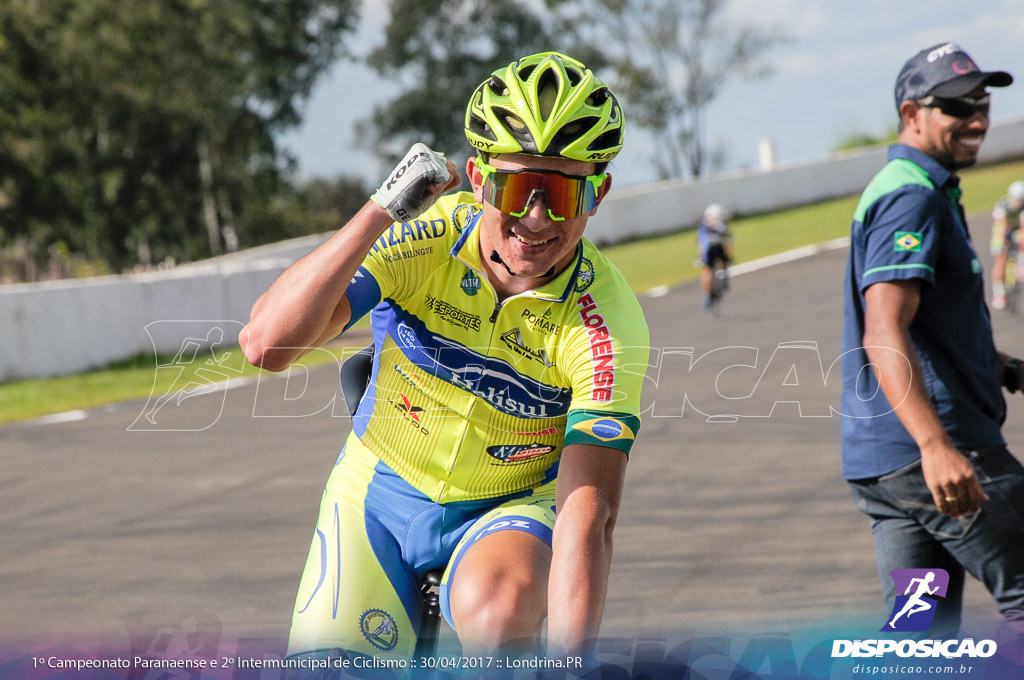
x,y
200,366
914,610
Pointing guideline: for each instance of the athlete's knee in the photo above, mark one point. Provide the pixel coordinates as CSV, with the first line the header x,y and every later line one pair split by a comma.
x,y
502,615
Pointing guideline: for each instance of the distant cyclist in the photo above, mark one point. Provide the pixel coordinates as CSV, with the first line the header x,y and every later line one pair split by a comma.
x,y
714,247
509,356
1007,218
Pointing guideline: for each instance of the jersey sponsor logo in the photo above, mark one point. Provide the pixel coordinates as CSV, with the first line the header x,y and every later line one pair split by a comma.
x,y
379,629
600,348
540,322
513,523
415,230
490,378
410,413
463,215
908,242
501,400
517,453
411,378
452,314
606,429
539,433
400,255
585,276
470,283
407,336
513,339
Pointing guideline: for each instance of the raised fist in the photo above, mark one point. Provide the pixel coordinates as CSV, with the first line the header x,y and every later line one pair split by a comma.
x,y
414,184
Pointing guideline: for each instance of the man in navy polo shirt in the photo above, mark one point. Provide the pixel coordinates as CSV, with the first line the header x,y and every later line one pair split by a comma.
x,y
922,398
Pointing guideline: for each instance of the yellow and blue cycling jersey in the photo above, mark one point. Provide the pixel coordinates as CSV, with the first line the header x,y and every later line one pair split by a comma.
x,y
1007,234
471,398
460,432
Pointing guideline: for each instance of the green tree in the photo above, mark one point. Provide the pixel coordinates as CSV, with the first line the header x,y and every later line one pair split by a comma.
x,y
144,129
669,60
336,200
439,51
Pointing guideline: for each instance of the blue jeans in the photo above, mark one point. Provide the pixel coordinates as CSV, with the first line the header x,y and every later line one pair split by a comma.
x,y
911,533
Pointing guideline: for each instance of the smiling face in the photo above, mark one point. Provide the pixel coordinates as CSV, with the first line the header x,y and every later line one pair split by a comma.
x,y
953,142
534,247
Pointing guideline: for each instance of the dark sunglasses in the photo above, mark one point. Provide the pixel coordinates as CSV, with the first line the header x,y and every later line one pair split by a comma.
x,y
567,196
957,107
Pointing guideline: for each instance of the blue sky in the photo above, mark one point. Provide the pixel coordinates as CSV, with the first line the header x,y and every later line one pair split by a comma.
x,y
835,78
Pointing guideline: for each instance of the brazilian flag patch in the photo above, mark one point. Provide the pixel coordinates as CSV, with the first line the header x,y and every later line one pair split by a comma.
x,y
908,242
605,429
615,430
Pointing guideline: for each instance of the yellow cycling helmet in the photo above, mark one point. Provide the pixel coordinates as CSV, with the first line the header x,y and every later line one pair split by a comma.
x,y
546,104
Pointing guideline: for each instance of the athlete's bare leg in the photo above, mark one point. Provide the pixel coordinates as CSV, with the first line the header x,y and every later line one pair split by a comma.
x,y
499,593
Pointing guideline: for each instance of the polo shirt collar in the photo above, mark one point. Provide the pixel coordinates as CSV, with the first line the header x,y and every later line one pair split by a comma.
x,y
939,176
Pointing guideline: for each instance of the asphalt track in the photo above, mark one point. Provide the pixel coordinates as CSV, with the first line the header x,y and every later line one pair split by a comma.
x,y
735,518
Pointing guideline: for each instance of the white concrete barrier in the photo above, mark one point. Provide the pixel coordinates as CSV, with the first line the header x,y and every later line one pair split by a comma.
x,y
671,205
64,327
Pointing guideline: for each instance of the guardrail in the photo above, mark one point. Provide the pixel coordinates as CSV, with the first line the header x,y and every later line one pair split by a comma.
x,y
65,327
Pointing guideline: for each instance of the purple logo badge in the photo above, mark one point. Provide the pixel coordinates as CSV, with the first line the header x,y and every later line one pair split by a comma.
x,y
914,610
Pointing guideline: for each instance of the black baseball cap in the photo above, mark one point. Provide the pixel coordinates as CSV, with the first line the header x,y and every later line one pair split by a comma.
x,y
943,70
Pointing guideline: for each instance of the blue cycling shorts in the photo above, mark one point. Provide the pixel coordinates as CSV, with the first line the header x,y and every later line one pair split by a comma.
x,y
376,536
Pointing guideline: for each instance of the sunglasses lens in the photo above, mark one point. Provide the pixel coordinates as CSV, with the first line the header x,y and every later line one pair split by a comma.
x,y
963,107
514,192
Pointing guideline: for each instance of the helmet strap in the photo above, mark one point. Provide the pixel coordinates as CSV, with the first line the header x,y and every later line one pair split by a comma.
x,y
495,257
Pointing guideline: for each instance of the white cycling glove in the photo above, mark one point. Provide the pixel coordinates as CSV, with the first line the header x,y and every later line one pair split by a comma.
x,y
406,192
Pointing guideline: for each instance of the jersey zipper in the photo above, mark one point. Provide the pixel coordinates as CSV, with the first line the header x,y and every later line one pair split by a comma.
x,y
467,417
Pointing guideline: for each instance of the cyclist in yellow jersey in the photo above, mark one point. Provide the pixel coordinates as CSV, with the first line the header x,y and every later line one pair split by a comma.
x,y
509,357
1007,218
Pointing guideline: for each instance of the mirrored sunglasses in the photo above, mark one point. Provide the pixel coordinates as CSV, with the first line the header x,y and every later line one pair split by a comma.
x,y
958,107
513,192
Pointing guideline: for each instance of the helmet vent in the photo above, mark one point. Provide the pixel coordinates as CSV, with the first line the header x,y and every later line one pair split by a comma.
x,y
478,126
498,86
568,134
546,99
519,129
598,97
547,93
515,122
607,140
